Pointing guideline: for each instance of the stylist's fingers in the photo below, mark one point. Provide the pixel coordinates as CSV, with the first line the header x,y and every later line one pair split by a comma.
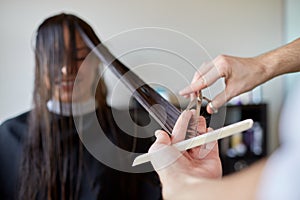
x,y
198,74
181,126
162,154
213,106
203,69
219,100
201,129
202,82
197,85
178,134
208,148
162,139
201,125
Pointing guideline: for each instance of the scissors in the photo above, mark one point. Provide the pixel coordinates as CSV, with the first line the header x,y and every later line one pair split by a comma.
x,y
195,103
195,139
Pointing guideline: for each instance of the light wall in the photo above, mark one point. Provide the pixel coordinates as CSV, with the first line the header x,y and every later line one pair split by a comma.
x,y
236,27
292,32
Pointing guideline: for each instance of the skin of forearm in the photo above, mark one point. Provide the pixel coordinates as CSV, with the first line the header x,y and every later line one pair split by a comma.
x,y
244,184
282,60
241,185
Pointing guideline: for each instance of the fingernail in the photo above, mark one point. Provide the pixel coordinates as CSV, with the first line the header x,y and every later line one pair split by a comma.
x,y
184,91
206,149
186,112
185,96
211,106
157,133
210,145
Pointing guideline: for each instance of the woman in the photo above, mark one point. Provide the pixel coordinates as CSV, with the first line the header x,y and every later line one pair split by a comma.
x,y
44,142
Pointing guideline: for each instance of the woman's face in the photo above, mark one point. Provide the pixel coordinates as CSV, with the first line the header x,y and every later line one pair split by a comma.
x,y
84,72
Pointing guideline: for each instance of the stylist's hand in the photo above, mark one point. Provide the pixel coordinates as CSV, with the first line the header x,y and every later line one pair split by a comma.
x,y
240,74
176,168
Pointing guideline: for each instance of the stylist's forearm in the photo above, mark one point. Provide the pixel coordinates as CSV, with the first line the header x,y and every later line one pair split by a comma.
x,y
283,60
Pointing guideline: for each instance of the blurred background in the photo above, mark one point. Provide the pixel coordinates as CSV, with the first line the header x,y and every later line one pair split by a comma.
x,y
235,27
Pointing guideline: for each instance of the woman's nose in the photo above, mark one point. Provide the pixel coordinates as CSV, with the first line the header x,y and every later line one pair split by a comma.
x,y
69,70
64,70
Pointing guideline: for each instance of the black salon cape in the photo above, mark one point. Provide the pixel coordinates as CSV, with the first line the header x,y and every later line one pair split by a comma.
x,y
12,133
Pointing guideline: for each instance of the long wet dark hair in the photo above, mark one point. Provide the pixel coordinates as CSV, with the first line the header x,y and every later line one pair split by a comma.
x,y
46,159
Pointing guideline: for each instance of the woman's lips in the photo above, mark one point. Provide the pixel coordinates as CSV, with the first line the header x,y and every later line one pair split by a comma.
x,y
67,85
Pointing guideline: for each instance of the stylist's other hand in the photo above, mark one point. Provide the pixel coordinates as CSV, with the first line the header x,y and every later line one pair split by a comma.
x,y
176,168
240,75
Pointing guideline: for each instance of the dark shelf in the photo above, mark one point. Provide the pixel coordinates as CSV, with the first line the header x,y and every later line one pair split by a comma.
x,y
238,151
242,150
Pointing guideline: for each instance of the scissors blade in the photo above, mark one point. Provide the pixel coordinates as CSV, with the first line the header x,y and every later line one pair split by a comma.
x,y
196,104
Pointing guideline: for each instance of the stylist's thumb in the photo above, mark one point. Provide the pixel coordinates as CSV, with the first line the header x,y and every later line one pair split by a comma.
x,y
161,151
162,140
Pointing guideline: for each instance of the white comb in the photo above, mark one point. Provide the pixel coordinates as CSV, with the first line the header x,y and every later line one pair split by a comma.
x,y
203,139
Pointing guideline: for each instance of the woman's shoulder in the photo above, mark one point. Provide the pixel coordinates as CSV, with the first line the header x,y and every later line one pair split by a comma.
x,y
15,128
12,132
